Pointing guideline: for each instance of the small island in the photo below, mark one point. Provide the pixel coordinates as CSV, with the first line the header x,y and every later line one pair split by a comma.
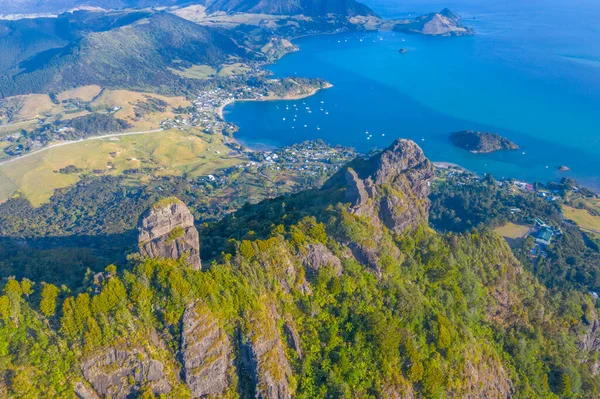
x,y
481,142
403,51
563,168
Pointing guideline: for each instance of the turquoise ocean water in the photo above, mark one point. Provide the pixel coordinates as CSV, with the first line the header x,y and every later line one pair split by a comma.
x,y
531,73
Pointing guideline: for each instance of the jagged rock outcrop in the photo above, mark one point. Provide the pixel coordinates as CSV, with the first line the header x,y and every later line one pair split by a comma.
x,y
263,356
84,392
293,339
167,231
120,373
589,342
317,256
206,352
485,377
392,187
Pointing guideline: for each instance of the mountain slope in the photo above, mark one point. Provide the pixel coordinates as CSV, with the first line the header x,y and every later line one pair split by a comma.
x,y
58,6
286,7
24,38
313,8
134,56
317,295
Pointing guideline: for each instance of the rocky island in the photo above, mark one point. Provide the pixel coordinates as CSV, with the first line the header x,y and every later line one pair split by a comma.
x,y
481,142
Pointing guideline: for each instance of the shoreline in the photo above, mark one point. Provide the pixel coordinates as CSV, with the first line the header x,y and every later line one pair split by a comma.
x,y
219,111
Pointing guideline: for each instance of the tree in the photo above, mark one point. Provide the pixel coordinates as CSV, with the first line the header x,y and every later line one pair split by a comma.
x,y
68,326
48,301
93,335
13,291
27,287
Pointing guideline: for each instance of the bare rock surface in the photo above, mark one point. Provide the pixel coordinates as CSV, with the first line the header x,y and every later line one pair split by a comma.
x,y
264,357
167,231
317,256
206,352
392,187
120,373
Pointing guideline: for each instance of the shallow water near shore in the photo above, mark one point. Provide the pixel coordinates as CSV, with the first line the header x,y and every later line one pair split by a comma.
x,y
532,74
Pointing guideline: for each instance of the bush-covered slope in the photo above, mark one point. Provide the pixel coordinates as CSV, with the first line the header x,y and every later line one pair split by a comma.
x,y
135,56
314,8
320,295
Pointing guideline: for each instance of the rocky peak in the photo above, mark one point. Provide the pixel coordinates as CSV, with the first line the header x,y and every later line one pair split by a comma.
x,y
167,230
391,187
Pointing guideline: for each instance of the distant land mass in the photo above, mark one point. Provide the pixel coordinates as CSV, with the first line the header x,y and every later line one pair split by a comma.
x,y
444,23
481,142
276,7
284,7
137,55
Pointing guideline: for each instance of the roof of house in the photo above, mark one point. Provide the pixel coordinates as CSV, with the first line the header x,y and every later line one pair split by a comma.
x,y
545,234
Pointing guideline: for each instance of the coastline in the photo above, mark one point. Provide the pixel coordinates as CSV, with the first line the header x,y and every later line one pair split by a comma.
x,y
219,111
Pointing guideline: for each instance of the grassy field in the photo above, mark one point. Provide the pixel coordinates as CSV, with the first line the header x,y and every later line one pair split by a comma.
x,y
196,72
34,107
513,233
84,93
589,203
172,152
511,230
233,69
583,218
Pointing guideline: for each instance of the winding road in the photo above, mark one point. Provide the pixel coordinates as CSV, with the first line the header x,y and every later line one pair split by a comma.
x,y
104,136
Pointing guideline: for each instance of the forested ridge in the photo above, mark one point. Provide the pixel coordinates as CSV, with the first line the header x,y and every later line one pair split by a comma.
x,y
324,294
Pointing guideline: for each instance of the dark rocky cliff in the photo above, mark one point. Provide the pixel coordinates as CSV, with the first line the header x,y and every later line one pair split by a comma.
x,y
167,231
390,188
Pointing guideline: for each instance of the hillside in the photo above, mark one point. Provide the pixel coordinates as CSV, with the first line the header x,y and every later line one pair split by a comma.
x,y
135,56
337,292
443,23
59,6
313,8
285,7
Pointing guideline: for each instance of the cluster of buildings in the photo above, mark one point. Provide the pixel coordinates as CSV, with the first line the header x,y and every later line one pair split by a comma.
x,y
309,157
543,235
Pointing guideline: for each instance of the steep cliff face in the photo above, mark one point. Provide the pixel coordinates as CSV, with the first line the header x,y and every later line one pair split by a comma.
x,y
317,256
206,352
167,231
264,358
121,373
390,188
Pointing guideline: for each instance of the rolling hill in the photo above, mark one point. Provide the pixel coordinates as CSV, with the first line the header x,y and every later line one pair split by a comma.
x,y
286,7
135,55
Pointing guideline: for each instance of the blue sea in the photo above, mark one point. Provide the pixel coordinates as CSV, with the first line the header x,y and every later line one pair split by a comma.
x,y
531,73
